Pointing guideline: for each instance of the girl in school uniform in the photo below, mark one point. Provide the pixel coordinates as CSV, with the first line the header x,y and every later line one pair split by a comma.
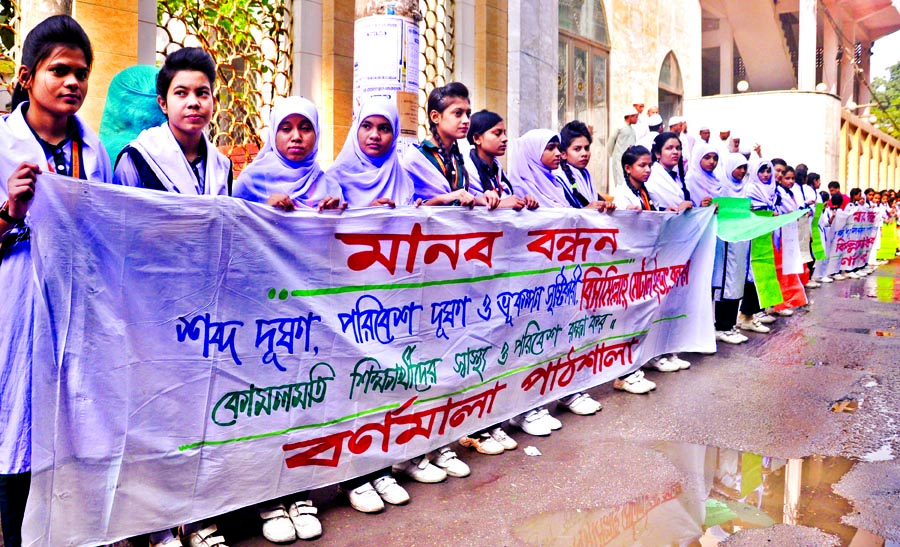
x,y
43,134
633,196
177,156
575,145
761,191
436,165
369,173
286,175
668,190
487,135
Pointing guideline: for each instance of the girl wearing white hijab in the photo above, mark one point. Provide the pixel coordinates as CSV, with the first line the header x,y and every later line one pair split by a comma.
x,y
532,161
702,179
761,190
368,169
730,266
285,173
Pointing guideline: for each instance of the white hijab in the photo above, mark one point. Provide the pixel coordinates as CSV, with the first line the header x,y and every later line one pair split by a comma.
x,y
364,179
761,194
272,173
165,158
528,173
700,182
733,188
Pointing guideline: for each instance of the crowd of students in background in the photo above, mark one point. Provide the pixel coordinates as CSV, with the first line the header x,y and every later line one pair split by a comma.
x,y
459,164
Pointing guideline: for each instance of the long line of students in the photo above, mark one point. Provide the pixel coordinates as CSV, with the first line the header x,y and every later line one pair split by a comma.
x,y
547,169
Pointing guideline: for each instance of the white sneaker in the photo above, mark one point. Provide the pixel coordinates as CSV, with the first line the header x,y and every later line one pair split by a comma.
x,y
484,443
812,284
453,466
663,364
682,364
532,423
754,325
555,425
728,336
277,526
762,317
507,442
306,523
390,491
838,277
364,499
853,275
420,470
635,383
786,312
580,403
205,538
825,279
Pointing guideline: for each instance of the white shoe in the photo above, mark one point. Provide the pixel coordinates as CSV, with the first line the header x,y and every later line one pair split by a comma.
x,y
483,443
812,285
306,523
507,442
663,364
635,383
786,312
453,466
728,336
754,325
277,526
580,403
420,470
390,491
838,277
555,425
532,423
825,279
853,275
364,499
682,364
205,538
762,317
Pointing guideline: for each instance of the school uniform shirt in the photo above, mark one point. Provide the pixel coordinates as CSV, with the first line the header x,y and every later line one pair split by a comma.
x,y
580,189
761,194
700,182
625,196
166,168
666,188
430,176
484,177
84,158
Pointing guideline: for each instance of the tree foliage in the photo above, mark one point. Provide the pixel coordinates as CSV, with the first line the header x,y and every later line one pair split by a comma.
x,y
888,92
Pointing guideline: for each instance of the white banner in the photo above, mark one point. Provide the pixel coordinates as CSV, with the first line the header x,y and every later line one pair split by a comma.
x,y
850,237
195,355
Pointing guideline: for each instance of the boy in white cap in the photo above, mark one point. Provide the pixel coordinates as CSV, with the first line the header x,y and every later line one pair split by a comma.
x,y
623,138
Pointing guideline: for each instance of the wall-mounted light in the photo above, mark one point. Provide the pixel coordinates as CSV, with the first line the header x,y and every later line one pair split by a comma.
x,y
822,87
743,86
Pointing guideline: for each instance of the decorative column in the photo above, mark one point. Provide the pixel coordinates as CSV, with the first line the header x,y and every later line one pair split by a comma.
x,y
806,65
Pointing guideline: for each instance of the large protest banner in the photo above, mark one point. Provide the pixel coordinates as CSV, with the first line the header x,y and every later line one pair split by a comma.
x,y
199,354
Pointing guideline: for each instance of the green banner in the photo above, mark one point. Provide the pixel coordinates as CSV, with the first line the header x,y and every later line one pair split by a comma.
x,y
817,248
736,222
888,249
762,261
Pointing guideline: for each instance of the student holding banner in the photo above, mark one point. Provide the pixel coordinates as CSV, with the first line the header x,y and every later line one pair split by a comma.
x,y
43,134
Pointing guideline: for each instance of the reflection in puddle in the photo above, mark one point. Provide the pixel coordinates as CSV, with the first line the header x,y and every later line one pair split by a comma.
x,y
848,406
724,491
883,288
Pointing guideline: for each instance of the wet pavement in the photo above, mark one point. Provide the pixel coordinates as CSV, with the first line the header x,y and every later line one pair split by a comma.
x,y
787,440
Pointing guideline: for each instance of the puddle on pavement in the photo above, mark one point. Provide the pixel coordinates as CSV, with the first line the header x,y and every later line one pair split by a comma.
x,y
882,288
725,491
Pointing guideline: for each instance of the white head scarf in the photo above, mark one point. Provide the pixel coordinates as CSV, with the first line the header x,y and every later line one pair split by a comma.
x,y
702,183
364,178
528,173
762,195
272,173
733,188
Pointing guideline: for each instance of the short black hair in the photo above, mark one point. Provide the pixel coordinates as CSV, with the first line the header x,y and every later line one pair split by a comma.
x,y
779,161
52,32
834,184
188,58
855,192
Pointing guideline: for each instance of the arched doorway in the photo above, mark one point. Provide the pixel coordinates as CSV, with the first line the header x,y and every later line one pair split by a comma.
x,y
583,77
671,89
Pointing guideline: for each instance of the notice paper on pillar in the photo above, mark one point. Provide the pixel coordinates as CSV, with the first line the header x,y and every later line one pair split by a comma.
x,y
199,354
